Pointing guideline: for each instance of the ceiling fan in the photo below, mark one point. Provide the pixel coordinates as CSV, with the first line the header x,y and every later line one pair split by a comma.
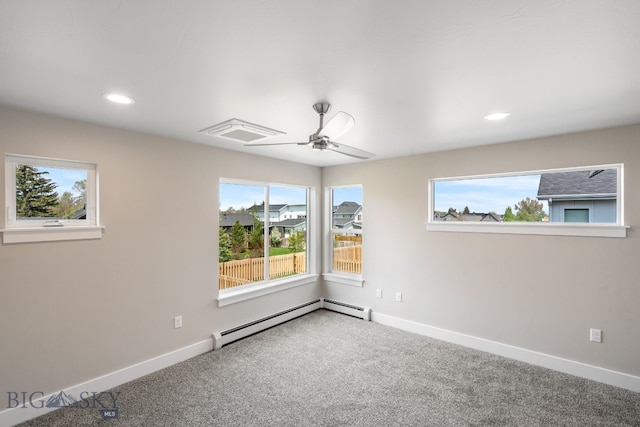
x,y
324,138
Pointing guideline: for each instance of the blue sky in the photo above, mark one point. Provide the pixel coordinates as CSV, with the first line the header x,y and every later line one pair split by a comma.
x,y
348,194
244,196
64,178
485,194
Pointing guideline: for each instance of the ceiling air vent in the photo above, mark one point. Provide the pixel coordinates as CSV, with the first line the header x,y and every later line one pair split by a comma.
x,y
239,130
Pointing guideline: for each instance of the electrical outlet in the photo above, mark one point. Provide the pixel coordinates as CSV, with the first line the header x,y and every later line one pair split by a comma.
x,y
177,322
379,293
595,335
399,296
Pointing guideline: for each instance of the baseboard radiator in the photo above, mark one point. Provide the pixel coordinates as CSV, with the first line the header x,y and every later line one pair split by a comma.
x,y
239,332
351,310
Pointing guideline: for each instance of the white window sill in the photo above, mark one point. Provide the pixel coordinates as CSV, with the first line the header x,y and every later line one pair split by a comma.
x,y
344,279
546,229
254,290
50,234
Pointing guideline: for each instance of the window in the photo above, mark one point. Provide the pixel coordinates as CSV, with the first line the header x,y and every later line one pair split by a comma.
x,y
263,235
585,201
576,215
50,199
344,254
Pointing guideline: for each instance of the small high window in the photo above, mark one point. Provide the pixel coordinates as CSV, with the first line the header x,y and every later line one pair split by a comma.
x,y
50,199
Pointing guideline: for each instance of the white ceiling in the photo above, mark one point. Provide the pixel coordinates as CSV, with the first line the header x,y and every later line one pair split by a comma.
x,y
417,75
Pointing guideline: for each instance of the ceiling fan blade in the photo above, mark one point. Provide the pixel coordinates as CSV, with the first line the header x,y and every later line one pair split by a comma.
x,y
276,143
338,125
350,151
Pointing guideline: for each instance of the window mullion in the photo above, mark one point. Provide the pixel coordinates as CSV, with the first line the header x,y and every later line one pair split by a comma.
x,y
265,232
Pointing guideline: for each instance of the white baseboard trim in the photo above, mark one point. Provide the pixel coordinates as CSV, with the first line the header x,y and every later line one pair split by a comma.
x,y
22,413
579,369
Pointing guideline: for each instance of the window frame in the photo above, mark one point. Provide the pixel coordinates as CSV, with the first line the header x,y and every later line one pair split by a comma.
x,y
268,286
45,230
329,274
591,229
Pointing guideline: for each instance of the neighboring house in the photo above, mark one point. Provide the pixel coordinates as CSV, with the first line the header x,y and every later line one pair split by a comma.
x,y
293,211
280,212
289,226
80,213
274,211
227,221
580,196
347,215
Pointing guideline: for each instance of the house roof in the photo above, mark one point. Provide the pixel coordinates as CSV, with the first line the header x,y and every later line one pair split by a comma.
x,y
473,216
341,222
584,184
289,222
227,220
347,208
272,207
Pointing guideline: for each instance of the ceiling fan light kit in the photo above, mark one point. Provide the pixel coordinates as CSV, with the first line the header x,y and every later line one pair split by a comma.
x,y
323,139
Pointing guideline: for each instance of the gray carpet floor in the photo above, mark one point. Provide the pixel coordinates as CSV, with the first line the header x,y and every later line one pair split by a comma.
x,y
328,369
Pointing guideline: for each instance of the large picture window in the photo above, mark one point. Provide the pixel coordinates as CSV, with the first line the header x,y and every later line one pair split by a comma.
x,y
576,201
50,199
263,233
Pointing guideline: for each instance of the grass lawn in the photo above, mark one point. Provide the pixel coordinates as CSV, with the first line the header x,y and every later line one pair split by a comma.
x,y
279,251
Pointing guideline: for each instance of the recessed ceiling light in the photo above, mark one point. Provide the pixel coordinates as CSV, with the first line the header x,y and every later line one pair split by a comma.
x,y
497,116
118,98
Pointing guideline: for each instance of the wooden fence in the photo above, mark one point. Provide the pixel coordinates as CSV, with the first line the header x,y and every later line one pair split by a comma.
x,y
243,271
240,272
348,259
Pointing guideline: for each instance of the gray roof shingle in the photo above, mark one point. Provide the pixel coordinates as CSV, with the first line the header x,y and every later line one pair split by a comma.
x,y
227,220
599,183
347,208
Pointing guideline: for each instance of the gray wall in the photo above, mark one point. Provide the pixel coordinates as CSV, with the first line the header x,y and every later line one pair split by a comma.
x,y
535,292
72,311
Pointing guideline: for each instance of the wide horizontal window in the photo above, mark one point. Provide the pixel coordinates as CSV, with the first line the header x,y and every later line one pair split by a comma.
x,y
564,201
45,198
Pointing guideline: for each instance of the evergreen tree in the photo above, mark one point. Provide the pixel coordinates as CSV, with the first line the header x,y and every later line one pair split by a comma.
x,y
256,236
224,246
35,194
238,239
508,215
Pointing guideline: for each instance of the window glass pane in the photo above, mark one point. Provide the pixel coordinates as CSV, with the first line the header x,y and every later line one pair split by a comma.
x,y
346,229
50,193
541,197
576,215
287,231
241,245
